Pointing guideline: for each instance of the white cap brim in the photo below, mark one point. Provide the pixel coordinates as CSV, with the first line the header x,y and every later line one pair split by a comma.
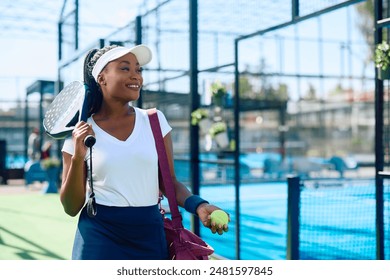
x,y
141,52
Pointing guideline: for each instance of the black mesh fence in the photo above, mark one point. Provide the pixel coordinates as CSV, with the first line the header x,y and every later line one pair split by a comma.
x,y
308,7
337,220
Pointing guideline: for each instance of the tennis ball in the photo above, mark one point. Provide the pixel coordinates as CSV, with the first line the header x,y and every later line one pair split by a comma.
x,y
219,217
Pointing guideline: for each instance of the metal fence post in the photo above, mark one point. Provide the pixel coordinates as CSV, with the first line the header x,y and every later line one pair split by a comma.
x,y
195,102
293,204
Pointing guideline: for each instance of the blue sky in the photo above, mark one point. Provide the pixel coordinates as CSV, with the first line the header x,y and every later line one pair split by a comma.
x,y
24,61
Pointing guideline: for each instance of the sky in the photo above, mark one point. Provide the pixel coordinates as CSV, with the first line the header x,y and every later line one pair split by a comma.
x,y
30,52
342,50
25,59
23,62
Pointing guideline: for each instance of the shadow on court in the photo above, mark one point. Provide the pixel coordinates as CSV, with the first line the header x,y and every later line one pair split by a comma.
x,y
22,251
33,226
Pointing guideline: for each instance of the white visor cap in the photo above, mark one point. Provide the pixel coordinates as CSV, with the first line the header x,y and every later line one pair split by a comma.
x,y
141,52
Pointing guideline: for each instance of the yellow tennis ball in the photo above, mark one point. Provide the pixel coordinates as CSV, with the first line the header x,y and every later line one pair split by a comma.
x,y
219,217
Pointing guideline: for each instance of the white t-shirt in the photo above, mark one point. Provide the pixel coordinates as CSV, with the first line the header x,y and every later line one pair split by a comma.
x,y
125,173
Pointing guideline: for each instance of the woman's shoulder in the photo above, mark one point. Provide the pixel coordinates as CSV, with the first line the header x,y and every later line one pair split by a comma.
x,y
140,110
165,127
144,112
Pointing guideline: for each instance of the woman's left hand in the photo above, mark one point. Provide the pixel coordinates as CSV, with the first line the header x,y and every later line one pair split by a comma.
x,y
204,213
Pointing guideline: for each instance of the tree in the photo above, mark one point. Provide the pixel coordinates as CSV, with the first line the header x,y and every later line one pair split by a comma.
x,y
337,91
246,88
264,90
311,93
365,25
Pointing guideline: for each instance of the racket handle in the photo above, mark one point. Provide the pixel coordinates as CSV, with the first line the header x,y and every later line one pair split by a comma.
x,y
89,141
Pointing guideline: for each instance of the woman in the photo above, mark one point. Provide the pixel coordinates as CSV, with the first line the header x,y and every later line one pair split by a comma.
x,y
128,224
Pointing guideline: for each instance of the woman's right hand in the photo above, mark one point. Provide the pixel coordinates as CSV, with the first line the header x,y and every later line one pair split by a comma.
x,y
80,132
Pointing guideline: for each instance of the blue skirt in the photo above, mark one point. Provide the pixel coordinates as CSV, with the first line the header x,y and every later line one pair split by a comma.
x,y
120,233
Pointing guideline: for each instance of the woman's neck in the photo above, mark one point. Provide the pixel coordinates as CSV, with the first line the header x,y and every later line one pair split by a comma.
x,y
106,112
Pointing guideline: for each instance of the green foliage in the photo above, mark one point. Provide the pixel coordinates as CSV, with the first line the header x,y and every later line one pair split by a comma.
x,y
365,25
232,145
382,58
338,90
50,162
198,115
217,128
218,90
311,93
246,88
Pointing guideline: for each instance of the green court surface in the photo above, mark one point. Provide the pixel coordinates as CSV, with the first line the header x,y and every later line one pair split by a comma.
x,y
33,226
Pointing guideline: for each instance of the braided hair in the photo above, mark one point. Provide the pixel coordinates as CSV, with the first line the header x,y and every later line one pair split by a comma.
x,y
95,93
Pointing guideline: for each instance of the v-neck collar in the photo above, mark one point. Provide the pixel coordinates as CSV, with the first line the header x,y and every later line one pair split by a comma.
x,y
107,135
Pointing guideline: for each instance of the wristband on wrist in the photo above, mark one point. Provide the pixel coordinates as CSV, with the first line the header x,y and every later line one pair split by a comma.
x,y
192,203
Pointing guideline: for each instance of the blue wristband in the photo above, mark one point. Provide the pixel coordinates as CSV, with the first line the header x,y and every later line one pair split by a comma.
x,y
192,203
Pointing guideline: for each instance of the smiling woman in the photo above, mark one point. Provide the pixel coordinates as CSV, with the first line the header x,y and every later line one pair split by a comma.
x,y
121,219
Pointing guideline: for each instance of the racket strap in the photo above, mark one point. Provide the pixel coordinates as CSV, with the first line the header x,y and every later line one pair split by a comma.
x,y
91,204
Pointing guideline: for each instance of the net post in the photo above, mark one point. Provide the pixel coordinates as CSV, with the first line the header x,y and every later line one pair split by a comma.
x,y
293,203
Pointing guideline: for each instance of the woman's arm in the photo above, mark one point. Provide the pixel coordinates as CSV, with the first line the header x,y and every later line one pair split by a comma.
x,y
73,185
74,172
204,210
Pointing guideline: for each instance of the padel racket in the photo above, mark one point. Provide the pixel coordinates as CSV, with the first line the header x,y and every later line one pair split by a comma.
x,y
68,108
